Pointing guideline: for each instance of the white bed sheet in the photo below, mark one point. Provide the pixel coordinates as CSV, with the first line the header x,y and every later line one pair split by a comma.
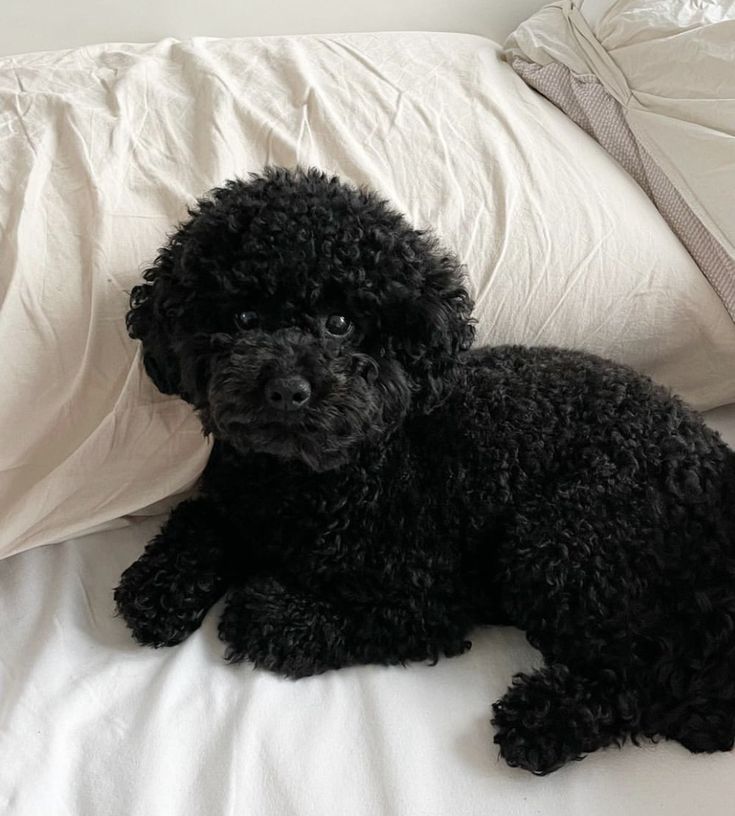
x,y
92,724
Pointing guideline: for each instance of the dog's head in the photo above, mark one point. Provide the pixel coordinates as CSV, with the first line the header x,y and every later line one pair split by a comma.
x,y
301,317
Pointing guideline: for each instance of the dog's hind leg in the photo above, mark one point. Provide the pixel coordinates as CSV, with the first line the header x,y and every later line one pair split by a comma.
x,y
702,726
552,716
691,697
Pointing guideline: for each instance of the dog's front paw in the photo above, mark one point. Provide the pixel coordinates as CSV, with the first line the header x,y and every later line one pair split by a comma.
x,y
155,606
280,630
155,630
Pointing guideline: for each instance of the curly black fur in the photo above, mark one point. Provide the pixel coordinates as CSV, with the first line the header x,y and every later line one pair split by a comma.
x,y
422,488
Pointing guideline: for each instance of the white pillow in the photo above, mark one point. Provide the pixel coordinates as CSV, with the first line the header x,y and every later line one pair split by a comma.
x,y
104,147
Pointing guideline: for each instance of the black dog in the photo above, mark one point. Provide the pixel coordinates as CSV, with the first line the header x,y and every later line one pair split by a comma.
x,y
376,489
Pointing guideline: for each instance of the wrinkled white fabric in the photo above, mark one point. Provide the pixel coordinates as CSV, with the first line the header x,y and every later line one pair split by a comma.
x,y
93,725
654,82
104,147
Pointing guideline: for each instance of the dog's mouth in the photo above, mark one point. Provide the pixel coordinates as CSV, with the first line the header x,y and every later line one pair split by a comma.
x,y
320,446
319,452
272,425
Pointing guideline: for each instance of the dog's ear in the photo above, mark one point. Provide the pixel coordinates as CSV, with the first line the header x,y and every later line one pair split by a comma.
x,y
444,309
436,325
149,321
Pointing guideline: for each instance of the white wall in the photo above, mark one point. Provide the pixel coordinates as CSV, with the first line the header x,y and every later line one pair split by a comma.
x,y
40,25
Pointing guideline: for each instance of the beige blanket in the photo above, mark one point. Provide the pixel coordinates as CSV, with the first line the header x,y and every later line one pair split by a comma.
x,y
654,83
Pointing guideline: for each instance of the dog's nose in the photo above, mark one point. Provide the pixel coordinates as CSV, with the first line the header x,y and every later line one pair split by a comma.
x,y
287,393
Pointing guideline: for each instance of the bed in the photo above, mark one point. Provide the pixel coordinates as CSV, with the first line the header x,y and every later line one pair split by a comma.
x,y
104,148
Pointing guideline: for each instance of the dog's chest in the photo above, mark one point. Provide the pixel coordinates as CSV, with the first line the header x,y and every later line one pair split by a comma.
x,y
353,528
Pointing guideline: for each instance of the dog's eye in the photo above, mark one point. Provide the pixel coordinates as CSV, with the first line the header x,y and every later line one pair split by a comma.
x,y
246,320
337,325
